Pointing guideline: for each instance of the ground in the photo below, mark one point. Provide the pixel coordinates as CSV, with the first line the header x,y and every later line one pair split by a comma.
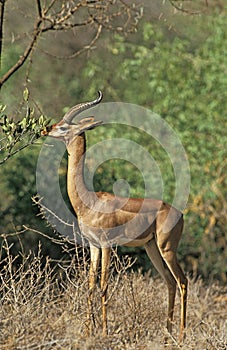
x,y
40,310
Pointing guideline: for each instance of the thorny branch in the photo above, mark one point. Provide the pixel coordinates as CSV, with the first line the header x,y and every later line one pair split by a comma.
x,y
65,15
23,58
47,211
87,47
2,8
179,5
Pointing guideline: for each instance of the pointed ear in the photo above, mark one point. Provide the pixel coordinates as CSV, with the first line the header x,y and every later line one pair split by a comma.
x,y
87,119
88,123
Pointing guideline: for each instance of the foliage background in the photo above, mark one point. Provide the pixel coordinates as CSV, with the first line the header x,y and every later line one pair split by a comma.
x,y
175,65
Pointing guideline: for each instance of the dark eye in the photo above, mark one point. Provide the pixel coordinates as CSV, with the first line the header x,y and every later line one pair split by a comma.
x,y
63,128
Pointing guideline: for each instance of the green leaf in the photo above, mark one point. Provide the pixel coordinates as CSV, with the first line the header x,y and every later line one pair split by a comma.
x,y
2,108
26,94
23,123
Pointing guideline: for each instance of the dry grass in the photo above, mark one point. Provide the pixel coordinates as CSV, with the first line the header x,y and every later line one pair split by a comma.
x,y
44,310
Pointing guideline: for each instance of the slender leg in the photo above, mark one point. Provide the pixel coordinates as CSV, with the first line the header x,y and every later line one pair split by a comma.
x,y
94,264
157,260
104,285
167,242
172,294
184,288
170,259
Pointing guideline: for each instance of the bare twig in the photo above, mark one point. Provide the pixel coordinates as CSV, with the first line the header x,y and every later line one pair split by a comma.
x,y
178,5
2,8
39,6
38,201
57,17
23,58
86,48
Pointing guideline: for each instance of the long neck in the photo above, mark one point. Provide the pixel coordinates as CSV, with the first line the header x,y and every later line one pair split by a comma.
x,y
77,190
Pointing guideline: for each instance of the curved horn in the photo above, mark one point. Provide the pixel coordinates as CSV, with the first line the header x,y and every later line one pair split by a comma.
x,y
68,117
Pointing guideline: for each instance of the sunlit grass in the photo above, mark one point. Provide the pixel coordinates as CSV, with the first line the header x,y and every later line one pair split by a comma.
x,y
45,308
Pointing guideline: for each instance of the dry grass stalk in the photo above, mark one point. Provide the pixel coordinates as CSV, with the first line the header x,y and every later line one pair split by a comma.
x,y
44,307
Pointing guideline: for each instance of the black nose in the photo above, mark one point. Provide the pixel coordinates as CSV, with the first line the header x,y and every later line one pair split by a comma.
x,y
47,129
